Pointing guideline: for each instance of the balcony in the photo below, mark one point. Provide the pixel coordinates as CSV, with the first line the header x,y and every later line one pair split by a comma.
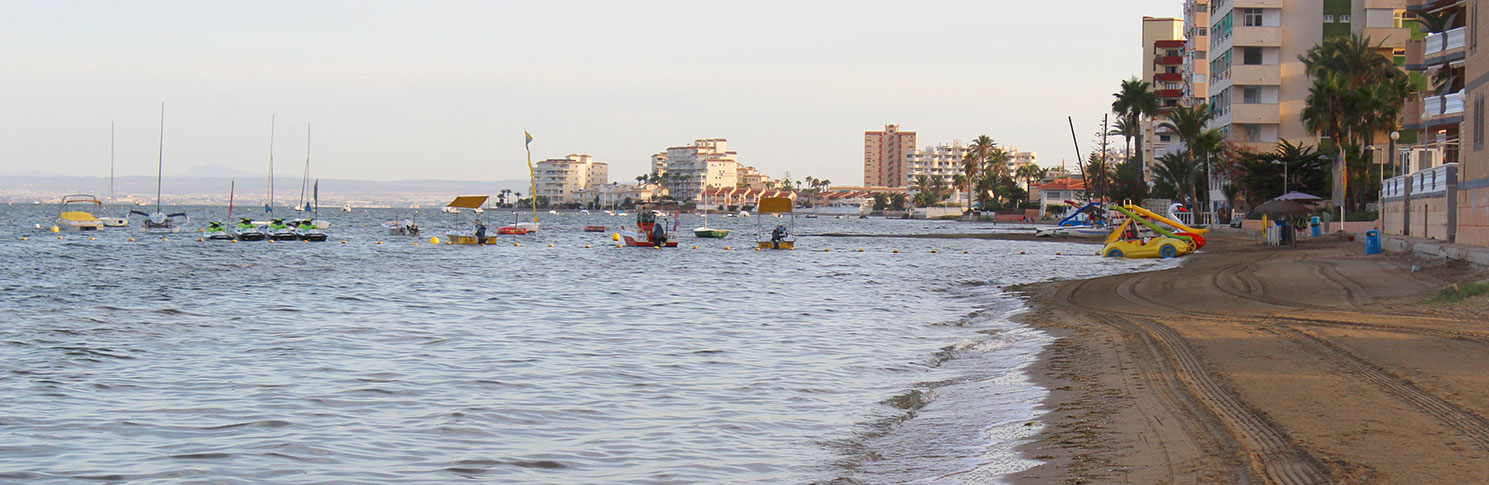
x,y
1388,37
1256,113
1240,4
1446,42
1257,36
1168,60
1169,93
1435,106
1252,75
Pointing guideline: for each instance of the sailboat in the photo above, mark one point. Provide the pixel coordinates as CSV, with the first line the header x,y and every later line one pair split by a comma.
x,y
527,227
112,220
216,230
274,227
309,228
158,220
706,231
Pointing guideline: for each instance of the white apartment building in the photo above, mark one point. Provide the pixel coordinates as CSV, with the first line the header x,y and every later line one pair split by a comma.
x,y
687,170
616,195
943,161
562,179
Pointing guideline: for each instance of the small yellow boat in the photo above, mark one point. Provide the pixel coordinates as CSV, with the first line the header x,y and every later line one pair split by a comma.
x,y
76,213
476,237
784,235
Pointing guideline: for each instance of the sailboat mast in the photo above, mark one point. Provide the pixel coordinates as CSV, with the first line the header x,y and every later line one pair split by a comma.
x,y
111,169
269,206
532,175
160,162
305,175
232,186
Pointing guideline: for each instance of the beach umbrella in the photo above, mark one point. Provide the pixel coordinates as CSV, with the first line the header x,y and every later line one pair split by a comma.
x,y
1280,207
1295,195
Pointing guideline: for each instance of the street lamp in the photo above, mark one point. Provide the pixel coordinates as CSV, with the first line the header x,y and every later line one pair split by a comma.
x,y
1395,135
1284,174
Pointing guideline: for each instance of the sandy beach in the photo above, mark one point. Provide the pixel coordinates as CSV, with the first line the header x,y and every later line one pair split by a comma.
x,y
1251,364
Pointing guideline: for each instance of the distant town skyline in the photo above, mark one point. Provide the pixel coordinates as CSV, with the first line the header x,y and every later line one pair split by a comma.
x,y
395,90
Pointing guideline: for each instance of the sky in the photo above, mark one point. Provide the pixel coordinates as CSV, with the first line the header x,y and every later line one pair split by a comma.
x,y
444,89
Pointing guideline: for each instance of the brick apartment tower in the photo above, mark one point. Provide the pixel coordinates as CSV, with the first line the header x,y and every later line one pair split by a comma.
x,y
884,155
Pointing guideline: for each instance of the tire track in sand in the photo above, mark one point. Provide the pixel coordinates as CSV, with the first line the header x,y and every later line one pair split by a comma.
x,y
1465,421
1270,450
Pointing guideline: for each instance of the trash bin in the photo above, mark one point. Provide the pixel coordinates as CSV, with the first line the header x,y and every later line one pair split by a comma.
x,y
1283,233
1372,242
1317,225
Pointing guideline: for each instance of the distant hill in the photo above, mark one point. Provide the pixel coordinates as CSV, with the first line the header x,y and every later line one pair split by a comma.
x,y
218,170
251,188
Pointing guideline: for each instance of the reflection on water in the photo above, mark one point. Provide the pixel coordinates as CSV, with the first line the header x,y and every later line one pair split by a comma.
x,y
180,360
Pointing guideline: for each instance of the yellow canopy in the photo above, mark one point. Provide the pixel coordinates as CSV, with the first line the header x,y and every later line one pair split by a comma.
x,y
772,205
468,201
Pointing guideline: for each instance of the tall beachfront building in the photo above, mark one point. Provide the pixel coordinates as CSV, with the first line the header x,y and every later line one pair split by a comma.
x,y
1444,192
1196,53
687,170
1162,66
561,180
885,154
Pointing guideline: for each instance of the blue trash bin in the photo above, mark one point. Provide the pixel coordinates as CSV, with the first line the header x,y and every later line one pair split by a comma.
x,y
1372,242
1317,225
1284,234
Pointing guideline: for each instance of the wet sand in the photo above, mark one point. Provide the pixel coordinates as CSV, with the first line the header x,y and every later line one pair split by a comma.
x,y
1006,236
1250,364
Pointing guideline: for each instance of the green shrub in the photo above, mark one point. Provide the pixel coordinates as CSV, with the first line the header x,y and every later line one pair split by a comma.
x,y
1456,293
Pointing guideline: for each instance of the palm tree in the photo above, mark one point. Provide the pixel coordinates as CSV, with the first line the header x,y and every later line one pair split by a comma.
x,y
978,154
928,190
1188,122
1028,173
1175,170
960,180
1134,102
1355,92
1207,145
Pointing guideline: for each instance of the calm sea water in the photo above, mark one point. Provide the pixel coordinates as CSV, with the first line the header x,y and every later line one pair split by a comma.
x,y
179,361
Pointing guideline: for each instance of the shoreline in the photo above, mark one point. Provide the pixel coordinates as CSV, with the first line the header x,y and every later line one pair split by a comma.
x,y
1255,364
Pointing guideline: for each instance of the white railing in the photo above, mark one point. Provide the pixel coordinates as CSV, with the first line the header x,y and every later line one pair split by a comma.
x,y
1442,105
1431,181
1452,39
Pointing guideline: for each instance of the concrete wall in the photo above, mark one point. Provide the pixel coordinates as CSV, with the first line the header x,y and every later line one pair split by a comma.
x,y
1473,216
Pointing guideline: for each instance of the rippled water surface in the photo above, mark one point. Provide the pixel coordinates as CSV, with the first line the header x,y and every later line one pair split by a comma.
x,y
177,360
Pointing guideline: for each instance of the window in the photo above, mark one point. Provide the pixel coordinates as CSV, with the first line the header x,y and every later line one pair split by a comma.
x,y
1344,18
1172,86
1251,56
1163,138
1478,122
1251,95
1172,53
1202,31
1171,69
1328,18
1253,17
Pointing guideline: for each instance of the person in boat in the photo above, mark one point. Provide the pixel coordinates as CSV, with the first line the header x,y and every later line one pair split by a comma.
x,y
658,235
778,235
480,232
